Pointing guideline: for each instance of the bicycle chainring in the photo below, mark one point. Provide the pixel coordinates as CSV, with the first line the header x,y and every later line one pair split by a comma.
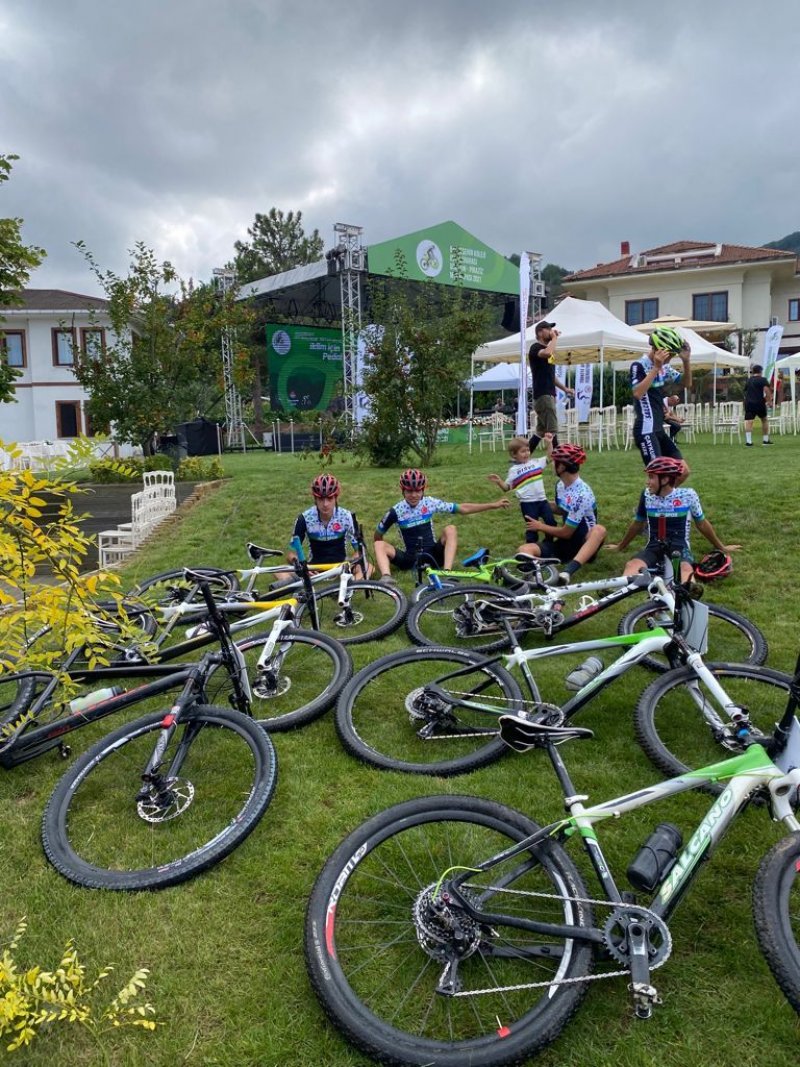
x,y
615,938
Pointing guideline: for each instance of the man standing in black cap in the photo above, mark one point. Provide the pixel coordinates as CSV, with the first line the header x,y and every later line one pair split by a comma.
x,y
545,383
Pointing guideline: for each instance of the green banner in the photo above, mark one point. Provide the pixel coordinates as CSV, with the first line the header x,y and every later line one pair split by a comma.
x,y
305,367
439,252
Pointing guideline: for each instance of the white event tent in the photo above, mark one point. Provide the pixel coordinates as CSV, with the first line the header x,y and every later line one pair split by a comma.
x,y
589,333
791,363
495,379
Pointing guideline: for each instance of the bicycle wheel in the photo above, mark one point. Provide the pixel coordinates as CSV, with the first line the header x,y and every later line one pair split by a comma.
x,y
17,692
376,946
302,679
422,592
520,571
776,911
172,588
450,618
390,716
103,828
731,637
682,727
374,610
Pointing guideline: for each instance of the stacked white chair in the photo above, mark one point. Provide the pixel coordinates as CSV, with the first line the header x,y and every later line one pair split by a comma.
x,y
149,507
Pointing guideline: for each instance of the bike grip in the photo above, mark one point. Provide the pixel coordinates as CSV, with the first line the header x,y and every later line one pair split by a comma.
x,y
296,546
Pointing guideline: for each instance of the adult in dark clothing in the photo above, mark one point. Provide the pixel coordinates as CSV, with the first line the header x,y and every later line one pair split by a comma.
x,y
545,383
757,394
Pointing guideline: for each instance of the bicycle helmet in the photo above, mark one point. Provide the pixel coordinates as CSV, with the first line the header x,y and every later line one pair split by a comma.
x,y
668,338
572,455
666,465
413,480
714,565
325,486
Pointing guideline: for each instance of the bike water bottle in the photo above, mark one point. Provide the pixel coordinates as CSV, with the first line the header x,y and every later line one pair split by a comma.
x,y
581,676
656,858
97,697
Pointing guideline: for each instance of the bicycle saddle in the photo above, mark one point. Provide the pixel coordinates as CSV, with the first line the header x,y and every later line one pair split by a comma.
x,y
476,559
255,553
521,734
206,579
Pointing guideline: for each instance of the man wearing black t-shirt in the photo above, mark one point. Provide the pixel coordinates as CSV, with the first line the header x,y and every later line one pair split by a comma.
x,y
544,382
757,394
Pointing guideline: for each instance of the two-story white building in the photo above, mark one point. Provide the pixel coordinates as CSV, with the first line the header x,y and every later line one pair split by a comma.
x,y
40,337
750,288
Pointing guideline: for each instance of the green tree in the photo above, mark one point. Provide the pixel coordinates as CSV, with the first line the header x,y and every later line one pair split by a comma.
x,y
16,262
277,243
163,363
415,362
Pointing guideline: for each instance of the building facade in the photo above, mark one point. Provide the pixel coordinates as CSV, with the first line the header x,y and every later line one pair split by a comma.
x,y
40,338
748,288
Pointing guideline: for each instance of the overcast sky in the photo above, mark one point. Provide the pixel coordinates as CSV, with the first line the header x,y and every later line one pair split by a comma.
x,y
562,128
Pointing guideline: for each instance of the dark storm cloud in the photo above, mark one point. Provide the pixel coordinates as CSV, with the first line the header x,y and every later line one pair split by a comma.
x,y
560,128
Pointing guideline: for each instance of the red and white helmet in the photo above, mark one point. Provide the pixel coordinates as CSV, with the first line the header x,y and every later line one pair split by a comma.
x,y
325,486
413,480
569,454
714,565
668,466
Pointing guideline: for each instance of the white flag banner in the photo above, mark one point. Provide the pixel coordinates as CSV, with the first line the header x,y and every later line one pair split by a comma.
x,y
524,303
361,402
583,390
562,400
772,342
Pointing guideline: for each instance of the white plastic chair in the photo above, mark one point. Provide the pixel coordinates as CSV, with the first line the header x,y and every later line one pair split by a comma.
x,y
495,431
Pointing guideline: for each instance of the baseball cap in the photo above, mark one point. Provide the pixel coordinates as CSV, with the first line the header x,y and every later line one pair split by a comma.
x,y
544,325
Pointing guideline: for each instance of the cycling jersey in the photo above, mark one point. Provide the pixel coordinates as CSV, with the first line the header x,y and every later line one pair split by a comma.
x,y
578,503
649,410
674,512
416,522
327,540
526,479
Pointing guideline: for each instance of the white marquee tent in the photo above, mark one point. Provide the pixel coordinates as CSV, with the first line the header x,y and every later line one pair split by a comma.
x,y
791,363
495,379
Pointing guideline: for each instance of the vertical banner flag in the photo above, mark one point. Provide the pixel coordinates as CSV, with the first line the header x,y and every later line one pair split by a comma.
x,y
583,390
772,342
561,399
370,335
524,303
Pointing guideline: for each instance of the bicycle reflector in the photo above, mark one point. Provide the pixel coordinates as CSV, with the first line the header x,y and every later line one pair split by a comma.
x,y
714,565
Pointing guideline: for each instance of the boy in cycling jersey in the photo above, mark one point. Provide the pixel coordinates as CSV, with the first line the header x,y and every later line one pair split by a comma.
x,y
578,539
329,529
665,509
525,478
414,518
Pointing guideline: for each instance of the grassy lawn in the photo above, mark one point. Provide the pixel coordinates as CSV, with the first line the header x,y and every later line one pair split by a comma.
x,y
225,951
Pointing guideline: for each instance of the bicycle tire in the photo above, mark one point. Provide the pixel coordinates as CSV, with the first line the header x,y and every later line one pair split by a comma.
x,y
428,624
420,592
313,671
776,914
378,985
678,723
375,611
382,709
163,590
16,696
731,637
96,811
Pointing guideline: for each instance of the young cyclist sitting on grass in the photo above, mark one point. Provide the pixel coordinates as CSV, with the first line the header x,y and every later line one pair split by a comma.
x,y
329,528
664,509
414,516
579,539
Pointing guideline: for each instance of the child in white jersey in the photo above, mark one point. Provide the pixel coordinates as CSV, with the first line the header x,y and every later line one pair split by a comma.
x,y
525,478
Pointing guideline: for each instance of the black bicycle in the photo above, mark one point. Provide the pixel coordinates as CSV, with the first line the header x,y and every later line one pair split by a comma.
x,y
162,798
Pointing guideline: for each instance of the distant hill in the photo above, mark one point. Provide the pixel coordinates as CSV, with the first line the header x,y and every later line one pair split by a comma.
x,y
787,244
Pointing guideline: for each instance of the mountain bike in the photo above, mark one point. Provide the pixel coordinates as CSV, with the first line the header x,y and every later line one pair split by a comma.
x,y
472,616
451,929
331,599
161,798
511,572
436,710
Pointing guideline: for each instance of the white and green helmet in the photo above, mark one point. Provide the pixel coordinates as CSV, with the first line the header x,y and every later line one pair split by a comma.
x,y
666,337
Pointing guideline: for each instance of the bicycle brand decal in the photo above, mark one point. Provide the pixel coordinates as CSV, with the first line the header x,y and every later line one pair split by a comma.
x,y
698,843
336,892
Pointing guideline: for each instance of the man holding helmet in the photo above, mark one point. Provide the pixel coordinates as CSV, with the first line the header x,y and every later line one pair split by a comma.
x,y
651,378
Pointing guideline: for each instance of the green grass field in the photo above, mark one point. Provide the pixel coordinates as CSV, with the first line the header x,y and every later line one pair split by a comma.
x,y
225,951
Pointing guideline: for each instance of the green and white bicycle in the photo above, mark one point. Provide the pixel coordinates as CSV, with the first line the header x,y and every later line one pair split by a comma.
x,y
453,930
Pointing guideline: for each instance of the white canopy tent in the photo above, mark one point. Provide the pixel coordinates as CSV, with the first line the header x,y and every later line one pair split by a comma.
x,y
791,363
589,333
495,379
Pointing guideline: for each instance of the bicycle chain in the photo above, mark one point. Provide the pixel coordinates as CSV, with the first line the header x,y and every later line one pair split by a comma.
x,y
553,981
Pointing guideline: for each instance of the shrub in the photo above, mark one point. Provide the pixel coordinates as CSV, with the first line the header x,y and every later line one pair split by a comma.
x,y
196,469
33,999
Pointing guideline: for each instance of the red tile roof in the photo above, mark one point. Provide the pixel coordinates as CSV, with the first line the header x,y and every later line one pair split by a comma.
x,y
638,263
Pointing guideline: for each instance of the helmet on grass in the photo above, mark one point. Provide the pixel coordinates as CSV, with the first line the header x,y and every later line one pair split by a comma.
x,y
716,564
572,455
413,480
667,466
668,338
325,486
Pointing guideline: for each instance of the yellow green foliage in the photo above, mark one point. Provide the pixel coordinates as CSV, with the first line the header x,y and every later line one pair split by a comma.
x,y
33,999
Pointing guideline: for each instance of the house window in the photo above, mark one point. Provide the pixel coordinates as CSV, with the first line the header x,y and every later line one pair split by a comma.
x,y
12,348
639,311
93,342
68,418
794,310
710,307
64,342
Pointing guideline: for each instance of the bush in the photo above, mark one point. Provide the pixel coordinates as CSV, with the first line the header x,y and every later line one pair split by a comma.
x,y
196,469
